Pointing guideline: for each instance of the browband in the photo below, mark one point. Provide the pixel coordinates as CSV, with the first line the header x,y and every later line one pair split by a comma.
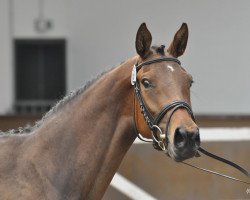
x,y
137,66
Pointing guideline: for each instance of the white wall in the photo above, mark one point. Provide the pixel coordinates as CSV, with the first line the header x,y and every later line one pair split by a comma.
x,y
27,11
6,72
101,34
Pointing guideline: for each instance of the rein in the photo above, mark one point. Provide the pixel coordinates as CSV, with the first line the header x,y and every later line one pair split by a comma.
x,y
160,140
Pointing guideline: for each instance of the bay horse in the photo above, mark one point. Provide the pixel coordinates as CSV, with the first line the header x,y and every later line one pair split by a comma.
x,y
75,150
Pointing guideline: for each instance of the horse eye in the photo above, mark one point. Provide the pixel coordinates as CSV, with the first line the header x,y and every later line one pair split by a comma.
x,y
146,83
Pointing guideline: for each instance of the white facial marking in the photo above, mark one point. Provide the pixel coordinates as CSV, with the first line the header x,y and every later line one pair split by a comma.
x,y
171,68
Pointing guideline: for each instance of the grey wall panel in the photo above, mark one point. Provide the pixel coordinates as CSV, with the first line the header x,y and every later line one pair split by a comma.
x,y
101,34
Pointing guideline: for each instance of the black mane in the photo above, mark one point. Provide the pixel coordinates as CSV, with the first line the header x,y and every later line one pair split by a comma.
x,y
60,104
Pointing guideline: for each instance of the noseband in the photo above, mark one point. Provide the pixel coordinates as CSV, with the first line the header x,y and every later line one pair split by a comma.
x,y
159,142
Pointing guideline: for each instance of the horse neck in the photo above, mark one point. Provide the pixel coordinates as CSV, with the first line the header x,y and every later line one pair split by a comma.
x,y
112,123
95,132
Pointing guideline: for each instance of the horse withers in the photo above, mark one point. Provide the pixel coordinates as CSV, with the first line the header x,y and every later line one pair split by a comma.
x,y
75,150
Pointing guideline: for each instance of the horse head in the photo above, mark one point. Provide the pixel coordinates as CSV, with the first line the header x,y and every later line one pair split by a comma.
x,y
163,87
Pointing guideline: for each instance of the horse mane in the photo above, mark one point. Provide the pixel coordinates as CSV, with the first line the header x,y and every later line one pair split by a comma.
x,y
59,105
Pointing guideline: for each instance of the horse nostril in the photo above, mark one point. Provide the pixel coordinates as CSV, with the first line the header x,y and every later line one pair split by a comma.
x,y
180,138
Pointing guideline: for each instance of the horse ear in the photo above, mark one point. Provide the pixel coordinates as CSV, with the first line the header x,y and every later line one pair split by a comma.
x,y
179,44
143,41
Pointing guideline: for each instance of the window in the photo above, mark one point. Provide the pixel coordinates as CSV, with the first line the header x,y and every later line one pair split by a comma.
x,y
39,74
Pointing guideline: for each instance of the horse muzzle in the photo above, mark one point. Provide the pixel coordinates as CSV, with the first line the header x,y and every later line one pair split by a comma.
x,y
186,143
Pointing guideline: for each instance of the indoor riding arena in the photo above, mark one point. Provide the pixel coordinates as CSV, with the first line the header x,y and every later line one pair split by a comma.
x,y
155,93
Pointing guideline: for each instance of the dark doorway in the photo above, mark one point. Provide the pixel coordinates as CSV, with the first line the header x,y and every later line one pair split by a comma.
x,y
39,74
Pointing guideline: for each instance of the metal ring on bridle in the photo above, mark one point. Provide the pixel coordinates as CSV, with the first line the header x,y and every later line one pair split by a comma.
x,y
162,137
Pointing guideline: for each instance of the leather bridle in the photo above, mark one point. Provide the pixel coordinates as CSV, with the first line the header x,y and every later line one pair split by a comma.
x,y
160,141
